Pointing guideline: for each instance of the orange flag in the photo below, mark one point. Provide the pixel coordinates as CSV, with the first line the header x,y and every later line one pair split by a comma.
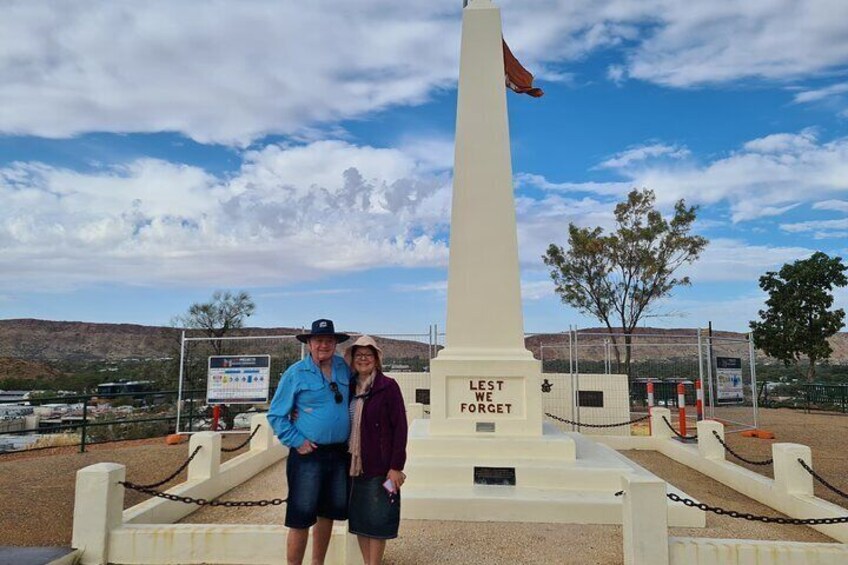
x,y
518,79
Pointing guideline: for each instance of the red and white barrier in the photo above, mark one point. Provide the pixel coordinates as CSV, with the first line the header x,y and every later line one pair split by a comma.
x,y
699,400
681,404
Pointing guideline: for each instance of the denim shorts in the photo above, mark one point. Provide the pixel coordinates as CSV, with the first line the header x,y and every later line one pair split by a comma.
x,y
318,485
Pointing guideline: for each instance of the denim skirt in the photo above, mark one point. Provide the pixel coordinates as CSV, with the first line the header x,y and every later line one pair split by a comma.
x,y
373,512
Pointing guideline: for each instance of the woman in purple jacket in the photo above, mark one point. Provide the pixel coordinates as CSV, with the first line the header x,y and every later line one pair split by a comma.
x,y
378,450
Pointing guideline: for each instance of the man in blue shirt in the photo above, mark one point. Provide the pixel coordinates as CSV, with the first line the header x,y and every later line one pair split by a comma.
x,y
310,415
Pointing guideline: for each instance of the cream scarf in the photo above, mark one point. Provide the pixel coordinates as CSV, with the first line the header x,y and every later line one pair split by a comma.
x,y
363,387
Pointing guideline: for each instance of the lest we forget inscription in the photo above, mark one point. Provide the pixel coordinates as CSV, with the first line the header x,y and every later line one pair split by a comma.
x,y
470,397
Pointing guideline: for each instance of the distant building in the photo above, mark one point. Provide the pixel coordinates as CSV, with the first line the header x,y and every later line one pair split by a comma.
x,y
127,388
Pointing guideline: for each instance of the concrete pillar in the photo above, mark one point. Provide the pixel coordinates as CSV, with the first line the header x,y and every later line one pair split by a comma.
x,y
98,508
659,429
264,438
414,411
644,520
207,462
708,446
789,476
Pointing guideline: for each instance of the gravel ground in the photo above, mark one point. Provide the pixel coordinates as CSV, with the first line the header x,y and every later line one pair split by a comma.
x,y
30,490
37,488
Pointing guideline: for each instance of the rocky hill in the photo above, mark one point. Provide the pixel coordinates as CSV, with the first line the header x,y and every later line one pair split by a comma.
x,y
23,369
41,340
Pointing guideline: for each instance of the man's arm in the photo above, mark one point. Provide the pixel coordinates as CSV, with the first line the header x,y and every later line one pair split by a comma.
x,y
280,410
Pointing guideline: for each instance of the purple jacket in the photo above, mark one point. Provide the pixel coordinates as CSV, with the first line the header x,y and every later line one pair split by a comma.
x,y
383,427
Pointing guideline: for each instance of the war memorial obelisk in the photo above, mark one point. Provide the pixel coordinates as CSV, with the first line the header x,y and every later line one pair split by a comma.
x,y
484,380
485,454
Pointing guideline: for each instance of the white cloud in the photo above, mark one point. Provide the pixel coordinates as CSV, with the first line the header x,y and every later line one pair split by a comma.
x,y
837,205
733,260
821,229
232,72
767,177
818,94
290,214
530,289
227,72
643,153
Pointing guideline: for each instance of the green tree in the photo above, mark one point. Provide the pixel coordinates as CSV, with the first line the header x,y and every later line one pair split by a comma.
x,y
225,312
216,318
618,277
798,319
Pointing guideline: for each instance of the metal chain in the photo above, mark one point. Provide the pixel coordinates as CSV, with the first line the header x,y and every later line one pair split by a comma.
x,y
736,455
820,479
756,518
566,421
242,444
678,434
174,474
203,501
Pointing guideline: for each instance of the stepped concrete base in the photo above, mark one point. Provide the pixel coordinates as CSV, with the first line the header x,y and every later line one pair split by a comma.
x,y
560,477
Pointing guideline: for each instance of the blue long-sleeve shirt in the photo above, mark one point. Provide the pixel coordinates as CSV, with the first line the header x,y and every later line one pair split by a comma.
x,y
320,418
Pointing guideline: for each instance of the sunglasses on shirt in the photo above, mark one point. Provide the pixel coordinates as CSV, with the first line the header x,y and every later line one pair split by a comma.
x,y
337,394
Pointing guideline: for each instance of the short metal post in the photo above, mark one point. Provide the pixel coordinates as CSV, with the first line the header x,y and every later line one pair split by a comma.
x,y
650,404
84,424
753,363
681,407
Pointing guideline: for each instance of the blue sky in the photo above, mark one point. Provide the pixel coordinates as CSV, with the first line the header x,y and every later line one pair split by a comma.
x,y
153,152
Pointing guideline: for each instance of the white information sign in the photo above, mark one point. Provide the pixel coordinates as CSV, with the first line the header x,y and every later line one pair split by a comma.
x,y
238,379
729,379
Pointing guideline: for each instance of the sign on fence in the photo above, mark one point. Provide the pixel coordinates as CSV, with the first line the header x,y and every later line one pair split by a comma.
x,y
238,379
729,379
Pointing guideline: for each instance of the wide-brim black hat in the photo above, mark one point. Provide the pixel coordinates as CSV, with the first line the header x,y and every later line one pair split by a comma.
x,y
323,327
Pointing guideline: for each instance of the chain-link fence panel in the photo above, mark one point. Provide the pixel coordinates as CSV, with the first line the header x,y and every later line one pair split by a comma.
x,y
196,413
731,395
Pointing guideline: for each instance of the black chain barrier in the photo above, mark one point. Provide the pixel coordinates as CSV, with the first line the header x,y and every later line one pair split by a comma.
x,y
753,517
580,424
203,501
821,479
678,434
736,455
242,444
175,473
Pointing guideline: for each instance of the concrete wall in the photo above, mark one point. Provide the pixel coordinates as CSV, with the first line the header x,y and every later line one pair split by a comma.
x,y
698,551
104,532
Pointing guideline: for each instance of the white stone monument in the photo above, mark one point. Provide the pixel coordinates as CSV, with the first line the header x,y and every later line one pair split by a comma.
x,y
485,380
485,453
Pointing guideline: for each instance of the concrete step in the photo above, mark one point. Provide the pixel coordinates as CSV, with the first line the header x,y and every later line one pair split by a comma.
x,y
527,504
554,446
568,475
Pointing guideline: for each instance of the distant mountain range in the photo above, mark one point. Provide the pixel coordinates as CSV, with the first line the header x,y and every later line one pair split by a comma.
x,y
42,340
